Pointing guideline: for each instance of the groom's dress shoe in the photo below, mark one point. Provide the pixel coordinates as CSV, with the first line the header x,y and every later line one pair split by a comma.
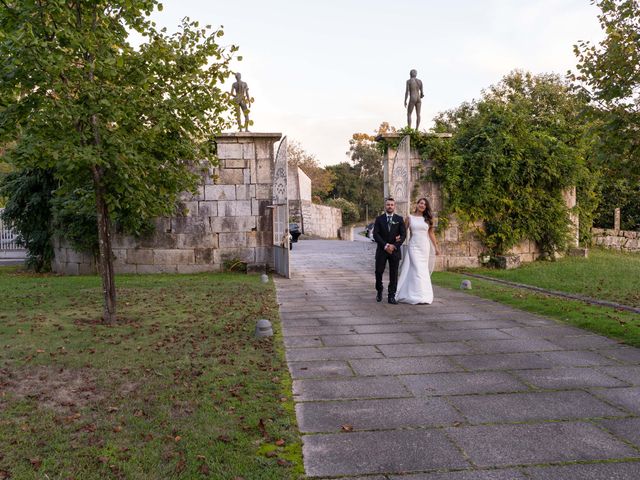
x,y
379,297
393,301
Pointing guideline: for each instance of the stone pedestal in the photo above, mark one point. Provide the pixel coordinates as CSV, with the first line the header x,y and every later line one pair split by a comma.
x,y
226,221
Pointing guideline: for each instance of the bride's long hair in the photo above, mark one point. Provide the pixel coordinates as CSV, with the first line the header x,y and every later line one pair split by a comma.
x,y
427,214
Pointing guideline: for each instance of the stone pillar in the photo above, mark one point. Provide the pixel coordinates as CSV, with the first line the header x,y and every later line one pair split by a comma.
x,y
246,164
616,219
570,200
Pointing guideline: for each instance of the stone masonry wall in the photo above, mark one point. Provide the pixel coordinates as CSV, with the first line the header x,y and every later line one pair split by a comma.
x,y
323,221
624,240
227,219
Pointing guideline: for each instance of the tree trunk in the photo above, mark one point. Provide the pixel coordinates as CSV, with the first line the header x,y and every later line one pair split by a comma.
x,y
105,263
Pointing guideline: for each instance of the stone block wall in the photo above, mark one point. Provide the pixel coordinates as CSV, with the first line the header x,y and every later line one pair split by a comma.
x,y
323,221
228,218
461,248
624,240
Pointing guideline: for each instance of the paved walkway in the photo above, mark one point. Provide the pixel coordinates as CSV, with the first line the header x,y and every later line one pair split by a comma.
x,y
463,389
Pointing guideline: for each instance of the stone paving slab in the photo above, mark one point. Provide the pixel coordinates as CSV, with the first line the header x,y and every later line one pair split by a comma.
x,y
358,453
375,414
403,366
628,398
608,471
332,353
306,341
627,429
623,354
570,377
503,361
508,388
628,373
462,383
521,407
425,349
395,328
577,358
318,330
356,321
507,445
340,389
477,324
369,339
459,335
584,342
321,368
507,474
514,345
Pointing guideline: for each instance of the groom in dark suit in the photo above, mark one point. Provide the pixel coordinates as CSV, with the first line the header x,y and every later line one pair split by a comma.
x,y
389,232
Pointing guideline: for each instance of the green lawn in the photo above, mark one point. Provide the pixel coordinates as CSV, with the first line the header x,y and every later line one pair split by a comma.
x,y
178,389
605,274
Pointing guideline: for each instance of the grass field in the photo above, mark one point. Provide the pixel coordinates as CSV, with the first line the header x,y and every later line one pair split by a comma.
x,y
605,274
177,389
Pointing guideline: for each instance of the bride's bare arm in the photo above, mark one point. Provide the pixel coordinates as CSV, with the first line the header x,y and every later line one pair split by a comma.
x,y
407,222
432,236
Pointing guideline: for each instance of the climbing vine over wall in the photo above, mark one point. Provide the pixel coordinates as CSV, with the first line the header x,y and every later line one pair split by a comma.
x,y
512,155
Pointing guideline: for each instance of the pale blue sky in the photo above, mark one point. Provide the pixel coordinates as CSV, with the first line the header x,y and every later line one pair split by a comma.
x,y
321,70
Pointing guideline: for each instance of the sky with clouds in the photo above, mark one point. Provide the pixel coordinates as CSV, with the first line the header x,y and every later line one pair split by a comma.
x,y
322,70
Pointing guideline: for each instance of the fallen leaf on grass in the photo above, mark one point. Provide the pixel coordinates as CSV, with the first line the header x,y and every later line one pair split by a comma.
x,y
262,428
224,438
271,454
280,442
180,466
346,427
283,463
36,463
204,469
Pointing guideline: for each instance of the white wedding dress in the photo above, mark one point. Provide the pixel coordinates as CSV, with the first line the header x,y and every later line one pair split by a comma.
x,y
414,284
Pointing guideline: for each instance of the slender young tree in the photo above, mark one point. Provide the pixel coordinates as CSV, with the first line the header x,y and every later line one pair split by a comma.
x,y
127,125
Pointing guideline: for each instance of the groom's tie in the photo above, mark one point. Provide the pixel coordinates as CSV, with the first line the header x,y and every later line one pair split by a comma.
x,y
389,217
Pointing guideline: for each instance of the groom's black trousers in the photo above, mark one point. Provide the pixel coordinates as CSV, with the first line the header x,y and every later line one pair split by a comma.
x,y
381,262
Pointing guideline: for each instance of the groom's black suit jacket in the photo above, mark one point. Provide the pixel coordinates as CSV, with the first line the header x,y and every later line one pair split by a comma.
x,y
382,235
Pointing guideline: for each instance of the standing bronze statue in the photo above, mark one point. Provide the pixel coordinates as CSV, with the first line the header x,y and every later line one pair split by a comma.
x,y
240,94
414,93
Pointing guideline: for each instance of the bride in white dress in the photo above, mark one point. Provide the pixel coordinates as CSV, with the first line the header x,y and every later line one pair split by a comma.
x,y
414,284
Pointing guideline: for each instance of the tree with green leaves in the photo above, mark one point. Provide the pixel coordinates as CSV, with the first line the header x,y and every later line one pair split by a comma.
x,y
321,179
608,74
514,152
360,181
121,128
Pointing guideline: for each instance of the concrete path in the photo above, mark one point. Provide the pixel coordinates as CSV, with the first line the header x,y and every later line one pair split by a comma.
x,y
463,389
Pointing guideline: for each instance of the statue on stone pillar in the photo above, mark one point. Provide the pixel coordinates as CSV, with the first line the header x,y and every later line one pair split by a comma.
x,y
242,100
415,94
